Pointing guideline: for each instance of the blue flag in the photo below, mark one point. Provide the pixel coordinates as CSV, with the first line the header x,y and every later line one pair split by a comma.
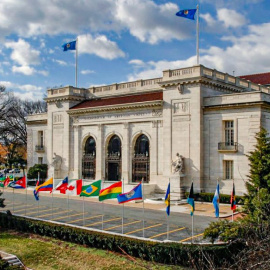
x,y
69,46
168,200
187,13
216,201
134,194
190,200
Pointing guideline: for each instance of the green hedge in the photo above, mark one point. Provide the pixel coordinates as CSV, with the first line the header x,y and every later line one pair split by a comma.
x,y
166,253
208,197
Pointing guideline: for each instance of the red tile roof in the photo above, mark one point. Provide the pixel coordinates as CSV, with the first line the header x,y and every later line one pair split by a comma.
x,y
119,100
261,78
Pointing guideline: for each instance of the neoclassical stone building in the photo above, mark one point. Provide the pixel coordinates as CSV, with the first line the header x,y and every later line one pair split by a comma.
x,y
135,129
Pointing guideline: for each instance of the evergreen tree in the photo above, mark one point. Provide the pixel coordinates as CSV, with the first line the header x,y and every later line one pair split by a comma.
x,y
258,183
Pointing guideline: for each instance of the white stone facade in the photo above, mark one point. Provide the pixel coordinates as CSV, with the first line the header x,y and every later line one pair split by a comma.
x,y
190,120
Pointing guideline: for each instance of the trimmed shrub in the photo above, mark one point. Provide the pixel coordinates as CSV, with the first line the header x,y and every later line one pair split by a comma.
x,y
166,253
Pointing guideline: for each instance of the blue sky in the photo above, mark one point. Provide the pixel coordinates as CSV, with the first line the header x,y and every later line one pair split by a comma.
x,y
123,40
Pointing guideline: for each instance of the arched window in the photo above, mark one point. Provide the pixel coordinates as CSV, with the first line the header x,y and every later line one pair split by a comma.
x,y
113,159
114,146
90,146
142,145
89,159
141,160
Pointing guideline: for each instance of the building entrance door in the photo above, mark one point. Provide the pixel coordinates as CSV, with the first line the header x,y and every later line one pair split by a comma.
x,y
113,171
114,160
89,159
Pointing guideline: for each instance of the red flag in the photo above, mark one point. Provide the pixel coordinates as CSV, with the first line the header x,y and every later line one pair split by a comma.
x,y
233,200
6,182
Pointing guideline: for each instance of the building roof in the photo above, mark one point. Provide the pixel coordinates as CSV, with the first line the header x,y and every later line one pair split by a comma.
x,y
119,100
261,78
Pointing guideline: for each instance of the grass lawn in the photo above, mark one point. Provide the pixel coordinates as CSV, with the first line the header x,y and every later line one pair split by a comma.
x,y
38,252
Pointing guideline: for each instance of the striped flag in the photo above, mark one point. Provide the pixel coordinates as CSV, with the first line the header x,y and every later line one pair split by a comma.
x,y
168,199
233,200
110,192
190,200
216,201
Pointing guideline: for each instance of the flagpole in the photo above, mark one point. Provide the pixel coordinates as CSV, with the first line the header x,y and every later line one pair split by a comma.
x,y
143,202
231,202
83,210
197,49
36,186
52,197
26,194
13,200
168,225
76,63
102,207
123,208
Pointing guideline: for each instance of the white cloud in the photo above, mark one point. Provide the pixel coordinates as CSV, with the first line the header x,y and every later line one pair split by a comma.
x,y
26,70
60,62
100,46
231,18
146,20
137,62
87,71
22,53
26,91
150,22
247,54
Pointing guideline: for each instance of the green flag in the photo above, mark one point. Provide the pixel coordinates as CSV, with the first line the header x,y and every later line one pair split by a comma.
x,y
91,190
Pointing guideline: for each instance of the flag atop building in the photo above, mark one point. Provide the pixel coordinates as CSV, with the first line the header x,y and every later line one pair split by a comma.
x,y
134,194
69,46
187,13
111,192
91,190
21,183
62,186
168,199
233,200
74,188
216,201
46,186
190,200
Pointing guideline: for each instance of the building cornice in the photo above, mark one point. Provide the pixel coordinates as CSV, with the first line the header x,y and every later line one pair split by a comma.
x,y
36,122
262,104
64,98
129,106
213,83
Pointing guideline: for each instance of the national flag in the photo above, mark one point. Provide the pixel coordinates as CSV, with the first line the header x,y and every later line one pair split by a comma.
x,y
190,200
74,188
37,183
110,192
6,182
21,183
46,186
233,200
62,186
168,199
134,194
216,201
91,190
2,178
69,46
187,13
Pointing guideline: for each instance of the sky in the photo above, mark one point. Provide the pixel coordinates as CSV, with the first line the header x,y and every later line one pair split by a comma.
x,y
126,40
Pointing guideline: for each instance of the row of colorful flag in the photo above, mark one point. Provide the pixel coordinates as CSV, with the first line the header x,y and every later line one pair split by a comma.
x,y
113,191
191,200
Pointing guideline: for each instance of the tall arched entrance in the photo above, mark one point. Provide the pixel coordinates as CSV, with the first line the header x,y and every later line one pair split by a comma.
x,y
140,160
114,160
89,159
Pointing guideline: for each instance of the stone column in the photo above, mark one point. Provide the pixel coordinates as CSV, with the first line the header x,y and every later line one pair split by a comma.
x,y
126,154
154,150
100,157
77,156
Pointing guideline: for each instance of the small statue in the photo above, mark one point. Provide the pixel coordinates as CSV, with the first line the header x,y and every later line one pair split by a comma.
x,y
178,164
57,162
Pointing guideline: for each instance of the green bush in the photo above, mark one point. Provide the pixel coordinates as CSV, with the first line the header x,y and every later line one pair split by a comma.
x,y
223,198
33,171
196,256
